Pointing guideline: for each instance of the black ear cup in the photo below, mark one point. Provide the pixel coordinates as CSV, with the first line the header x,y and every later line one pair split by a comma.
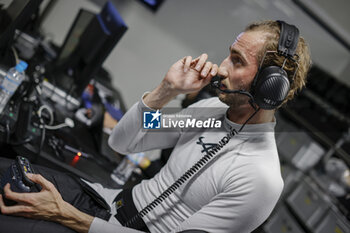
x,y
271,84
271,88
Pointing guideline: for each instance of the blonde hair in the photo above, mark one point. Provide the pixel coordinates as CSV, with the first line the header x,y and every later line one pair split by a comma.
x,y
272,29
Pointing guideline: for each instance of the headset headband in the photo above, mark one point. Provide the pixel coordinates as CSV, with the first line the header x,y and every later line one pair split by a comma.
x,y
289,37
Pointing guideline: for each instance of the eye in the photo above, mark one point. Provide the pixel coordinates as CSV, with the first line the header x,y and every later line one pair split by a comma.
x,y
237,61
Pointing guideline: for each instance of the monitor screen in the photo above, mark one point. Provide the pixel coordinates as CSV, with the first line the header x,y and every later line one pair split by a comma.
x,y
95,43
71,41
15,16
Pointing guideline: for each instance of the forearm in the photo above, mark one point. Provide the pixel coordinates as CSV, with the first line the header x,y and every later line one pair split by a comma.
x,y
160,96
74,218
128,136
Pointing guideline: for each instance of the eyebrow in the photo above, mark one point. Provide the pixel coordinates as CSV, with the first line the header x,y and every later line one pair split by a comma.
x,y
235,51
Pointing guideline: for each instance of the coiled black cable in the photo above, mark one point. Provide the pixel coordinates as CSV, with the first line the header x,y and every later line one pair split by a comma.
x,y
135,221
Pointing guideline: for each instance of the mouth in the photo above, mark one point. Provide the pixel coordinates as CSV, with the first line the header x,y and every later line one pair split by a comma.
x,y
223,86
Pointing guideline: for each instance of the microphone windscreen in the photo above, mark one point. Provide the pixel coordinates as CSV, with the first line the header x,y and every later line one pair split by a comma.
x,y
215,81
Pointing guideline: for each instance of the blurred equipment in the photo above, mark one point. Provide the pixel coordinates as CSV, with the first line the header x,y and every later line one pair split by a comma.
x,y
339,172
12,80
123,171
71,41
37,118
152,4
309,203
333,222
15,17
82,56
282,221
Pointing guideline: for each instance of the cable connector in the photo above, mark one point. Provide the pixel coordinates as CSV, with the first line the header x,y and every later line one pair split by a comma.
x,y
69,122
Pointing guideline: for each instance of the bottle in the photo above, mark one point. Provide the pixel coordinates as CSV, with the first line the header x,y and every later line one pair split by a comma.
x,y
123,171
12,80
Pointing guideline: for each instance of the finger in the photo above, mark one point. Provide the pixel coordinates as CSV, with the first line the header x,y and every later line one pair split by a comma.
x,y
201,62
214,70
10,210
205,81
16,209
39,179
27,215
2,204
194,61
206,69
187,63
9,194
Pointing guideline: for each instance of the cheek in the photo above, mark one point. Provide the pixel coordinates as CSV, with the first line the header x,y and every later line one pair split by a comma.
x,y
239,75
243,77
249,74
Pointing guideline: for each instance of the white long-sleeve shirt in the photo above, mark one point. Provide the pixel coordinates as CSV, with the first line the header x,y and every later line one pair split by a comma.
x,y
236,192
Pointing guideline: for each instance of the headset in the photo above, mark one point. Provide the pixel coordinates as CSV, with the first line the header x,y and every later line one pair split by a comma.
x,y
271,85
269,89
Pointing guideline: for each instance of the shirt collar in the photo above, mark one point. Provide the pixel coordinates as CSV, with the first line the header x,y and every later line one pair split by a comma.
x,y
267,127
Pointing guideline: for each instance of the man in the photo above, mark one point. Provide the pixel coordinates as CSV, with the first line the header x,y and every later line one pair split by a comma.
x,y
235,192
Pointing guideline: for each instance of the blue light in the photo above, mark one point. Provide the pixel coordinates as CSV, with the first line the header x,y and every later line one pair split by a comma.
x,y
151,2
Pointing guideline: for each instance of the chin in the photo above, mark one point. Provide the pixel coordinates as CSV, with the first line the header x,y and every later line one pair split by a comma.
x,y
232,100
224,99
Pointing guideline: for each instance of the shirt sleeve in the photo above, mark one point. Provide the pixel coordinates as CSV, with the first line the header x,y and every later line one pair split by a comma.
x,y
100,226
128,136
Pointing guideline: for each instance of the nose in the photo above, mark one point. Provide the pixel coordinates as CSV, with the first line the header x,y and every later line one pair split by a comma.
x,y
222,72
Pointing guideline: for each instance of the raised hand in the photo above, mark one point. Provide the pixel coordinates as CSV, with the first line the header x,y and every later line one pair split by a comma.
x,y
185,76
188,75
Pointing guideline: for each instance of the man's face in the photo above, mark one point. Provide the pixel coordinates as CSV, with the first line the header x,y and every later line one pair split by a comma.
x,y
240,67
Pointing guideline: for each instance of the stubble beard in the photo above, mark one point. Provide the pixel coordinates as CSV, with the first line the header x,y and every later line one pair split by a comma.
x,y
233,100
